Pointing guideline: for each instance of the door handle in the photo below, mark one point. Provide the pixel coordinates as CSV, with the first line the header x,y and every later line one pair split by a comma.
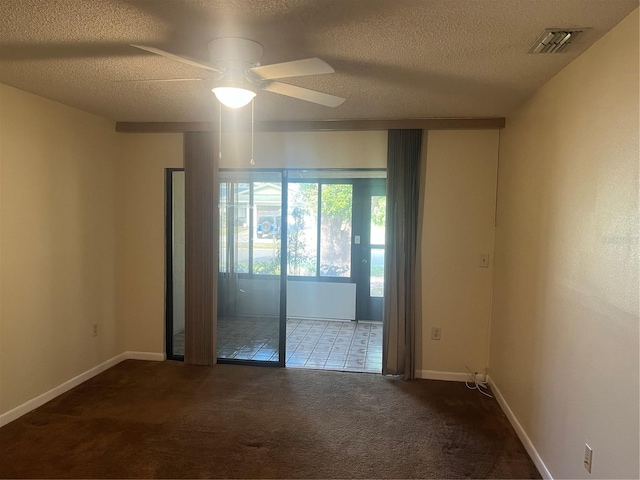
x,y
364,260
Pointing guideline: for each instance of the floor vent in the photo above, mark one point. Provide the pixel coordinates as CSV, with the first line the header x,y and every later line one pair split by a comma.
x,y
555,40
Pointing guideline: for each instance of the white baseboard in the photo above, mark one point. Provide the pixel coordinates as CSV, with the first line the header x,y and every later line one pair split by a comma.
x,y
155,357
40,400
522,435
437,375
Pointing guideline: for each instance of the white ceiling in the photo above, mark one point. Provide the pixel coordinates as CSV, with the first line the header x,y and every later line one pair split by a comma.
x,y
393,58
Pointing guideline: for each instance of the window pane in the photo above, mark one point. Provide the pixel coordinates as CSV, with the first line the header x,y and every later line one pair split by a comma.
x,y
376,282
378,211
335,239
267,220
237,210
222,257
302,229
234,245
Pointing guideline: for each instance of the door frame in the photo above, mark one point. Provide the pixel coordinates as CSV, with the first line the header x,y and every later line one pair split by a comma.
x,y
357,272
282,324
367,307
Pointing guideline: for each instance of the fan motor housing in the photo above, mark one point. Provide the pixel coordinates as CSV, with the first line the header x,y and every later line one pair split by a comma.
x,y
234,57
238,78
233,49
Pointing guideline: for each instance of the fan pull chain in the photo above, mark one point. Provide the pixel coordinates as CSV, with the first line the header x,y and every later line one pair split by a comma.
x,y
252,161
220,132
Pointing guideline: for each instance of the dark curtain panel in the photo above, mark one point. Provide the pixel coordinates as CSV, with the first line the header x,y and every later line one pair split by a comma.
x,y
402,273
201,247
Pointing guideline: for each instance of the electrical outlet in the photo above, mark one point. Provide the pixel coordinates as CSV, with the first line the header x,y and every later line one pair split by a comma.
x,y
484,260
588,457
435,333
95,329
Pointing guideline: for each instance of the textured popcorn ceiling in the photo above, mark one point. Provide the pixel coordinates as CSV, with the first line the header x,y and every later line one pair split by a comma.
x,y
393,58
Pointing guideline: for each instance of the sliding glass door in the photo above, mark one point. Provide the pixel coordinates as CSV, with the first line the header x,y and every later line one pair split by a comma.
x,y
332,224
250,280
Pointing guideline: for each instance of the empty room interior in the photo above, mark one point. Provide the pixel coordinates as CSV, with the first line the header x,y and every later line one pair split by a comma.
x,y
319,239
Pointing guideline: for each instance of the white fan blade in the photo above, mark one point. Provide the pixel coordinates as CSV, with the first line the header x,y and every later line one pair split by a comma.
x,y
297,68
162,53
304,94
155,80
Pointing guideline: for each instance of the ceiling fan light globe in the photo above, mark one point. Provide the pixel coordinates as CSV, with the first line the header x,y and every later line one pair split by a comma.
x,y
233,97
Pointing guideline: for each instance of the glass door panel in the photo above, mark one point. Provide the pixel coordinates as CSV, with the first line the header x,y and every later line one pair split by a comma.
x,y
377,223
302,229
175,261
376,241
376,279
250,313
335,226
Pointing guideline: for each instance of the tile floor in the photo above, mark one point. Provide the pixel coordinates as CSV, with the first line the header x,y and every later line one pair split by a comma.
x,y
317,344
332,345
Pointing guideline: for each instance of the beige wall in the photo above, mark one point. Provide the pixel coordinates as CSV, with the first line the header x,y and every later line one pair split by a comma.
x,y
459,215
143,163
306,150
58,244
564,348
459,222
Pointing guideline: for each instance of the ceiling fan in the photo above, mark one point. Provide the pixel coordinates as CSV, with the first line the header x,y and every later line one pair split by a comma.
x,y
237,73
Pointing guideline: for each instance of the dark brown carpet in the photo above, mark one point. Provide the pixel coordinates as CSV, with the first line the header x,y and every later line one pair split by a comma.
x,y
168,420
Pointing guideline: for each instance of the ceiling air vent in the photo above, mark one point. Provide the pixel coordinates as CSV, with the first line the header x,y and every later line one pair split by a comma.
x,y
555,40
